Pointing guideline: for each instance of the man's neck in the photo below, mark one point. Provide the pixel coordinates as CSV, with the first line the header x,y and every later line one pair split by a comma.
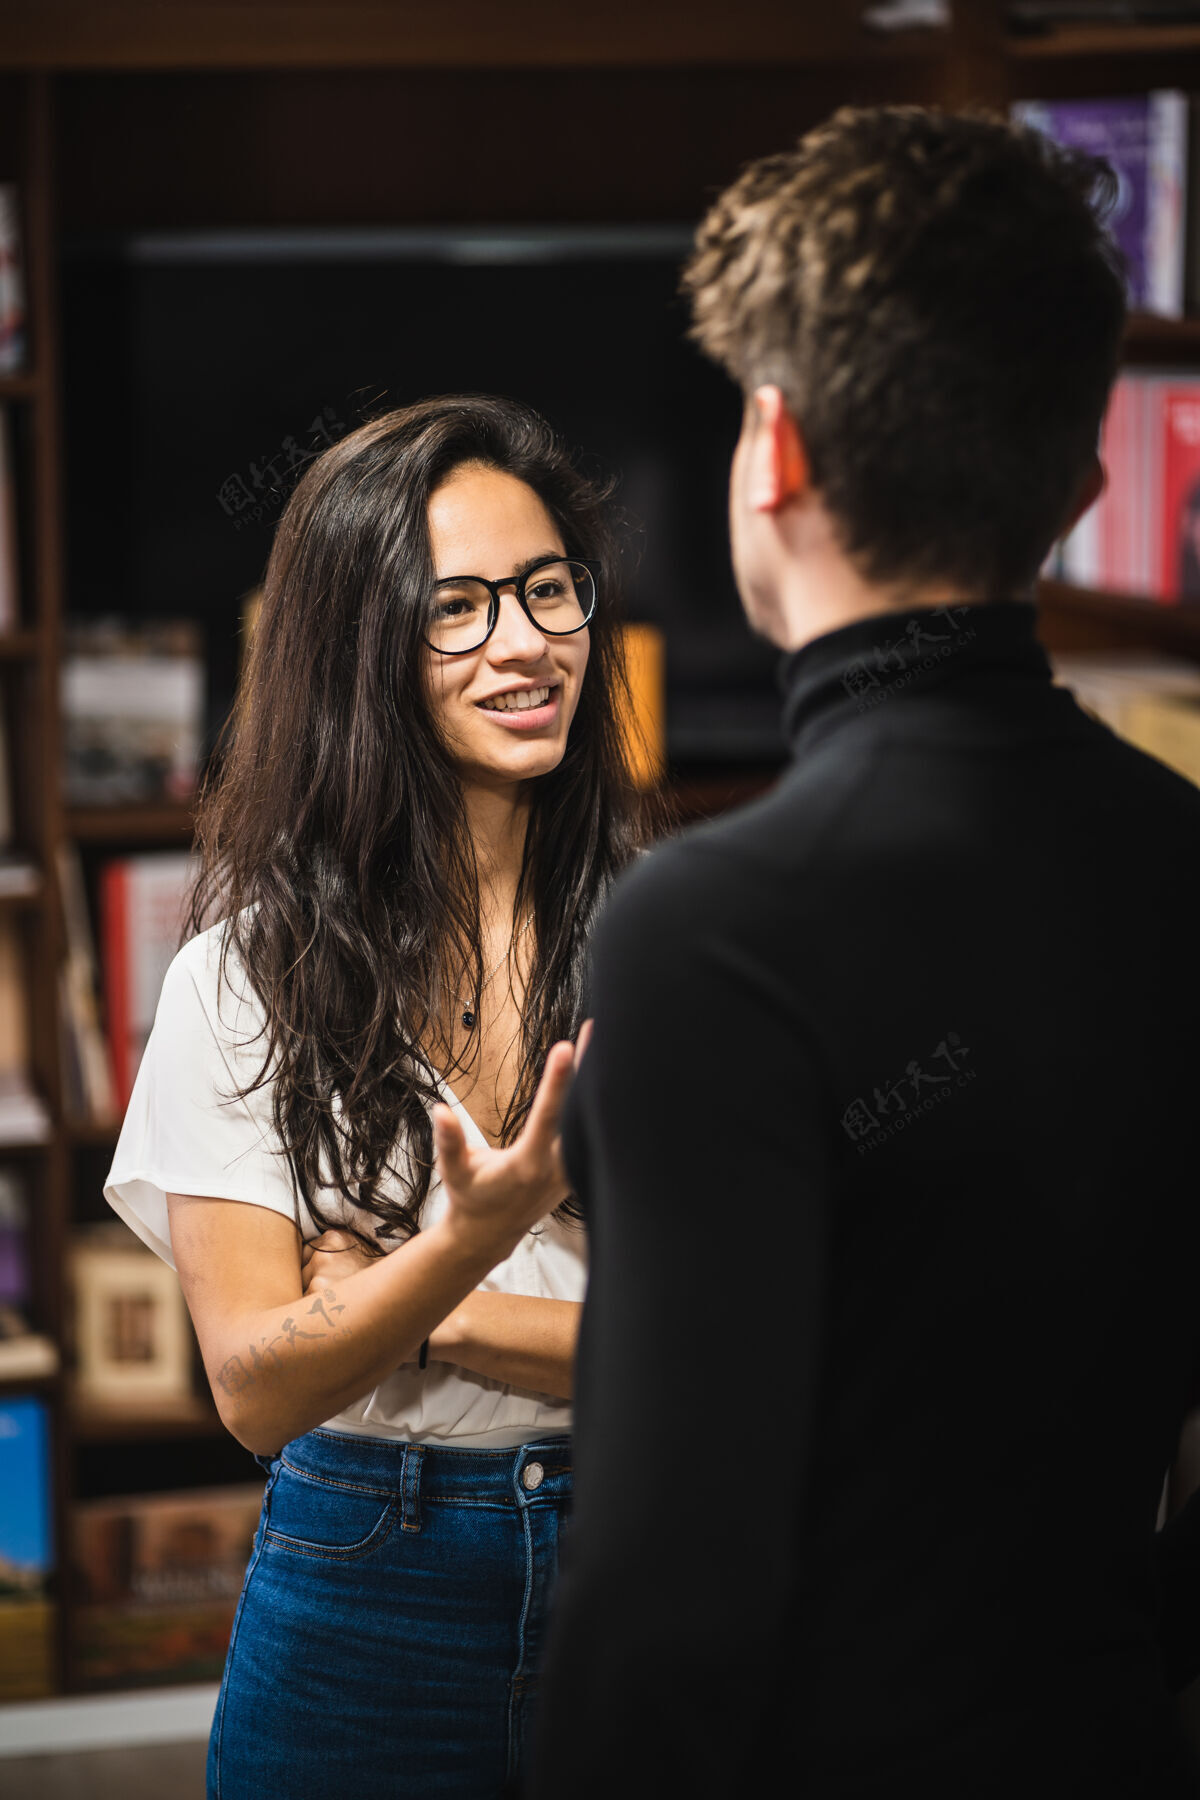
x,y
825,592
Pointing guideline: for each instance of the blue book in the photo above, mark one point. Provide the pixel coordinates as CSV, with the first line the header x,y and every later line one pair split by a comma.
x,y
26,1550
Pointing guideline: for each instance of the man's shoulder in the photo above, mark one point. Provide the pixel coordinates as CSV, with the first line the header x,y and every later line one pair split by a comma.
x,y
795,821
717,871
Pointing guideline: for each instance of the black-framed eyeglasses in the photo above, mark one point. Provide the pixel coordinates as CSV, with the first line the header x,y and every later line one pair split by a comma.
x,y
557,594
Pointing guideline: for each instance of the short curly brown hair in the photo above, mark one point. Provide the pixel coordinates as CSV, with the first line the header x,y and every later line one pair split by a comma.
x,y
937,297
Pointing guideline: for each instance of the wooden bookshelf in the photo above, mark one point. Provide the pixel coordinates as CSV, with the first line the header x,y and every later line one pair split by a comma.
x,y
111,1425
1161,341
109,94
30,1384
1075,618
1068,43
92,1134
19,646
16,903
31,654
163,824
526,34
19,387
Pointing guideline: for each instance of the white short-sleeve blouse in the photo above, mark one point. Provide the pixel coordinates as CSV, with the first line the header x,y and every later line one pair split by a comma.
x,y
185,1133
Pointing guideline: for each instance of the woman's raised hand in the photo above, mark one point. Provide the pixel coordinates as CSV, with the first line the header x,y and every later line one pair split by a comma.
x,y
331,1257
502,1193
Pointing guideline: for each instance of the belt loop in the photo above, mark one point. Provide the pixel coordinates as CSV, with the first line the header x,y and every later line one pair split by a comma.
x,y
410,1487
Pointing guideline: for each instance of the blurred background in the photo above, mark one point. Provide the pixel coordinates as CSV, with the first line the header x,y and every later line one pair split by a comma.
x,y
229,231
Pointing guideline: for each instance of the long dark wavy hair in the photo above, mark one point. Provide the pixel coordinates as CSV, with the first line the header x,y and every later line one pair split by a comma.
x,y
332,833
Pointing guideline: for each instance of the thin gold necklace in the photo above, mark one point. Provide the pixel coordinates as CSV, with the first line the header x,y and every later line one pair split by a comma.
x,y
470,1011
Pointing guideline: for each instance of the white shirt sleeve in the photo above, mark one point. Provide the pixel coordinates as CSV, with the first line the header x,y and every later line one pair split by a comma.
x,y
185,1132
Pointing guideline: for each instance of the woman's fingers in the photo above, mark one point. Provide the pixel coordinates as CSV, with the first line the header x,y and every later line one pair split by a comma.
x,y
327,1241
582,1042
451,1143
541,1127
332,1256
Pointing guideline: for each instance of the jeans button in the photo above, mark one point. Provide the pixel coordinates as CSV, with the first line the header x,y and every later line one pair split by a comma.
x,y
532,1475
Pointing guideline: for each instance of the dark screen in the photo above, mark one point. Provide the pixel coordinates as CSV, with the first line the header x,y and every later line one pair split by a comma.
x,y
191,364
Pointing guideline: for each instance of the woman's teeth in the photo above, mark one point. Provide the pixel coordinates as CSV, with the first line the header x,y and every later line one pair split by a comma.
x,y
517,702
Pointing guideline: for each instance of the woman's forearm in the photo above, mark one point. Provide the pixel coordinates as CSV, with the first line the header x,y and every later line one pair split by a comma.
x,y
519,1339
280,1372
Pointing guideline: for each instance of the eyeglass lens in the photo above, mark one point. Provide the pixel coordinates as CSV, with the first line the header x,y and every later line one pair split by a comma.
x,y
559,597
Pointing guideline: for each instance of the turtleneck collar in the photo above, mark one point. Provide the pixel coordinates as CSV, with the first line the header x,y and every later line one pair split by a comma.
x,y
852,670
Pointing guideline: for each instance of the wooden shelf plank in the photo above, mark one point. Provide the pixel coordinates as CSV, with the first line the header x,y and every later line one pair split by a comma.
x,y
19,646
1104,40
27,900
196,1418
329,34
1150,339
1080,618
24,386
92,1134
128,824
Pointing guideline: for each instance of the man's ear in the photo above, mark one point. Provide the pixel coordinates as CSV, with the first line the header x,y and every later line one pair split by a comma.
x,y
777,462
1092,486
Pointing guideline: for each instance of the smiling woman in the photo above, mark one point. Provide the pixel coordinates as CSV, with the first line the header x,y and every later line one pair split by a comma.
x,y
422,804
513,648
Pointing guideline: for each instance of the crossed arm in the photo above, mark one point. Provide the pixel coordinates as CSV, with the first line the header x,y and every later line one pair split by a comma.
x,y
521,1339
281,1359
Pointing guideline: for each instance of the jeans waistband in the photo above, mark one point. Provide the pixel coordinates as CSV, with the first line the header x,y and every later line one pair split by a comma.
x,y
533,1474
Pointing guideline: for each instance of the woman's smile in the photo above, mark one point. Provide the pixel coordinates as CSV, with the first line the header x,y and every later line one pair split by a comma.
x,y
524,708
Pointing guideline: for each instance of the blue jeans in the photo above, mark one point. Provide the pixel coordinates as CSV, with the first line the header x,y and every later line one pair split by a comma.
x,y
391,1621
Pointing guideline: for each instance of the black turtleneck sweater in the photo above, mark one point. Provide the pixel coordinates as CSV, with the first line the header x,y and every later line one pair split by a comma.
x,y
886,1137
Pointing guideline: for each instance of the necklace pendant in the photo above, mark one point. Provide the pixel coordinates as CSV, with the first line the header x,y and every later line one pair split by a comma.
x,y
468,1018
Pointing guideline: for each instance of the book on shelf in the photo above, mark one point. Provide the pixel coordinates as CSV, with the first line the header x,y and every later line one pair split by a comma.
x,y
10,598
24,1353
157,1578
643,720
132,1336
1145,140
87,1068
12,284
142,905
133,711
1152,701
27,1356
27,1622
18,875
1143,534
7,821
1039,15
24,1118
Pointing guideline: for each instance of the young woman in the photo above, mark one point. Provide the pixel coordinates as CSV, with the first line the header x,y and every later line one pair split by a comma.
x,y
422,804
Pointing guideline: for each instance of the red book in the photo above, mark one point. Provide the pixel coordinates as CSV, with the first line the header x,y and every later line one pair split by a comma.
x,y
141,928
1115,515
1179,433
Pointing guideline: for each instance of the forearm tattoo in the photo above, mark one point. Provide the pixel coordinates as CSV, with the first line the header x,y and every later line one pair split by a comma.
x,y
241,1372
